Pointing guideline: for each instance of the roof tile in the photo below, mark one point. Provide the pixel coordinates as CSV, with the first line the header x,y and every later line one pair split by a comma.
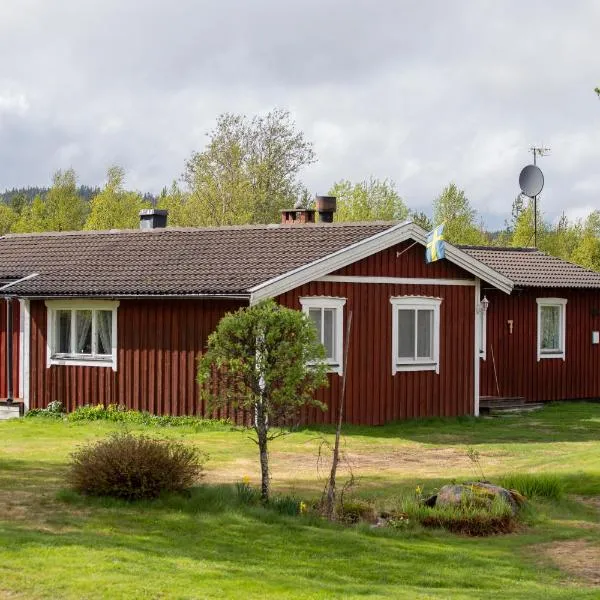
x,y
529,267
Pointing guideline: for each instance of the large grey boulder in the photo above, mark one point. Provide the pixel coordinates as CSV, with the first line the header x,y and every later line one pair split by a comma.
x,y
478,493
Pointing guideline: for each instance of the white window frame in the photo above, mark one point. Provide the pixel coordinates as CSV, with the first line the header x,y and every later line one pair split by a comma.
x,y
308,302
416,303
562,352
54,358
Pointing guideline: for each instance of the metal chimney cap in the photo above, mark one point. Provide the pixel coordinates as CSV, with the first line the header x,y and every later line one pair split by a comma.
x,y
150,212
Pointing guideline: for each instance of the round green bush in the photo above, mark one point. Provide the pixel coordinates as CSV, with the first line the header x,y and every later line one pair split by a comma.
x,y
134,467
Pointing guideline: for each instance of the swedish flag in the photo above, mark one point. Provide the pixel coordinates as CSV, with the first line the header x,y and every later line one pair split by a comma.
x,y
436,247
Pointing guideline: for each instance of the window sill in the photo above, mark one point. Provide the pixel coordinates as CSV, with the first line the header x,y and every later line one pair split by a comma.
x,y
416,367
545,355
82,362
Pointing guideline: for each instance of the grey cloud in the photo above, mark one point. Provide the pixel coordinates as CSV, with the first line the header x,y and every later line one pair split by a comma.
x,y
423,92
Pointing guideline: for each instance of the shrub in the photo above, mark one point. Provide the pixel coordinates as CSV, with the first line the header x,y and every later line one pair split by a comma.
x,y
465,518
134,467
54,410
355,510
535,485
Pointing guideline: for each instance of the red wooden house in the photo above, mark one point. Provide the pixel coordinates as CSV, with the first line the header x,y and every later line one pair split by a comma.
x,y
120,316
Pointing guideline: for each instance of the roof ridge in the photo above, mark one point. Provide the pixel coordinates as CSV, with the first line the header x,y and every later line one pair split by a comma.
x,y
501,248
162,230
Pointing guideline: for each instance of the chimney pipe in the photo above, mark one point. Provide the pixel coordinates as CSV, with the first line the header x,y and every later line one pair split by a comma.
x,y
153,218
326,207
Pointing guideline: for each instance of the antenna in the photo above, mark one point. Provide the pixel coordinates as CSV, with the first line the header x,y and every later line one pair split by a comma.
x,y
539,151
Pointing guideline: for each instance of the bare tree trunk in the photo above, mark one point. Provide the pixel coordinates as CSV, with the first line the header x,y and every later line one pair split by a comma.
x,y
330,499
261,426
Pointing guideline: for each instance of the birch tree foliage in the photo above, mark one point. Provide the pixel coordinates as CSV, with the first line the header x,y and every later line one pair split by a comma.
x,y
369,200
62,208
453,209
114,207
267,360
249,169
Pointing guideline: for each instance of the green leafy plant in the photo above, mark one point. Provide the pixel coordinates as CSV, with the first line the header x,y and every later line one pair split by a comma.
x,y
120,414
267,360
134,467
246,493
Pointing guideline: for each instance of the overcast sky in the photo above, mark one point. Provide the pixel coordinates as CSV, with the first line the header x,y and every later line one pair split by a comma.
x,y
423,92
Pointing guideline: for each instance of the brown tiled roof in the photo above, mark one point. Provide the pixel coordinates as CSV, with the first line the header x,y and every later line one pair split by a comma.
x,y
528,267
226,260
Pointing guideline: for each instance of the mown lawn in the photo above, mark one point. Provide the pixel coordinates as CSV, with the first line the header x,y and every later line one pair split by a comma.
x,y
54,544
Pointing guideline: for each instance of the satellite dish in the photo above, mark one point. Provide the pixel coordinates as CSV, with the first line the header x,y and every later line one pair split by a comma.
x,y
531,180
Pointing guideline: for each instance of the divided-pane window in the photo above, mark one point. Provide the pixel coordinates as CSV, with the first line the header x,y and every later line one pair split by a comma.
x,y
415,335
551,327
327,314
83,333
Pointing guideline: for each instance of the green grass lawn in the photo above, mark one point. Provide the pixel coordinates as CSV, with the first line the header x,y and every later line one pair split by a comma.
x,y
54,544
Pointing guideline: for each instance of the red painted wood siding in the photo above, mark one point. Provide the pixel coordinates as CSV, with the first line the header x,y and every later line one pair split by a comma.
x,y
15,348
519,372
375,396
404,260
159,340
158,345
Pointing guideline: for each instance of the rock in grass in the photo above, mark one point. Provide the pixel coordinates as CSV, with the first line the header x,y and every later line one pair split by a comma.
x,y
476,493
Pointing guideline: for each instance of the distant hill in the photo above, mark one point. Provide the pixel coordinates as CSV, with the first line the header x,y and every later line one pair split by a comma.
x,y
30,193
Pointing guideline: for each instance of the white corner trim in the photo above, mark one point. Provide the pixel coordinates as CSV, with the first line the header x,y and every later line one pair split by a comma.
x,y
562,303
371,245
24,351
396,280
80,360
415,303
477,356
308,302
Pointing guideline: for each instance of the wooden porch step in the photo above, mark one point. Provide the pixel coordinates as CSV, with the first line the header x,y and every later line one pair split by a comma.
x,y
11,410
506,404
529,407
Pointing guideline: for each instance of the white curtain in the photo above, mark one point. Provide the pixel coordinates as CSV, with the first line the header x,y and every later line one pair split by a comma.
x,y
104,326
83,324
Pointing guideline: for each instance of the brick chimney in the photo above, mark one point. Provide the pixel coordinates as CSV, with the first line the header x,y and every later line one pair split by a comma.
x,y
153,218
299,215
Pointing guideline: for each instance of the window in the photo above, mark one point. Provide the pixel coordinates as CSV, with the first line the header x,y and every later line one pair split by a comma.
x,y
551,328
415,333
82,333
328,316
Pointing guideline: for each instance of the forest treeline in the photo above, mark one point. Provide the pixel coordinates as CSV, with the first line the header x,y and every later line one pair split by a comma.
x,y
250,169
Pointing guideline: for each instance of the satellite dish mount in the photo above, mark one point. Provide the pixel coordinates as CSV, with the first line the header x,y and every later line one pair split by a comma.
x,y
531,182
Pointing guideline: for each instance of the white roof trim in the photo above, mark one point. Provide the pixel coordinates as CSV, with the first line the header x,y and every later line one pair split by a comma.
x,y
371,245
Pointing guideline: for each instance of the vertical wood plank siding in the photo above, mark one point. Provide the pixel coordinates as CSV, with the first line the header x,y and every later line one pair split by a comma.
x,y
159,340
158,344
16,323
373,395
519,372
